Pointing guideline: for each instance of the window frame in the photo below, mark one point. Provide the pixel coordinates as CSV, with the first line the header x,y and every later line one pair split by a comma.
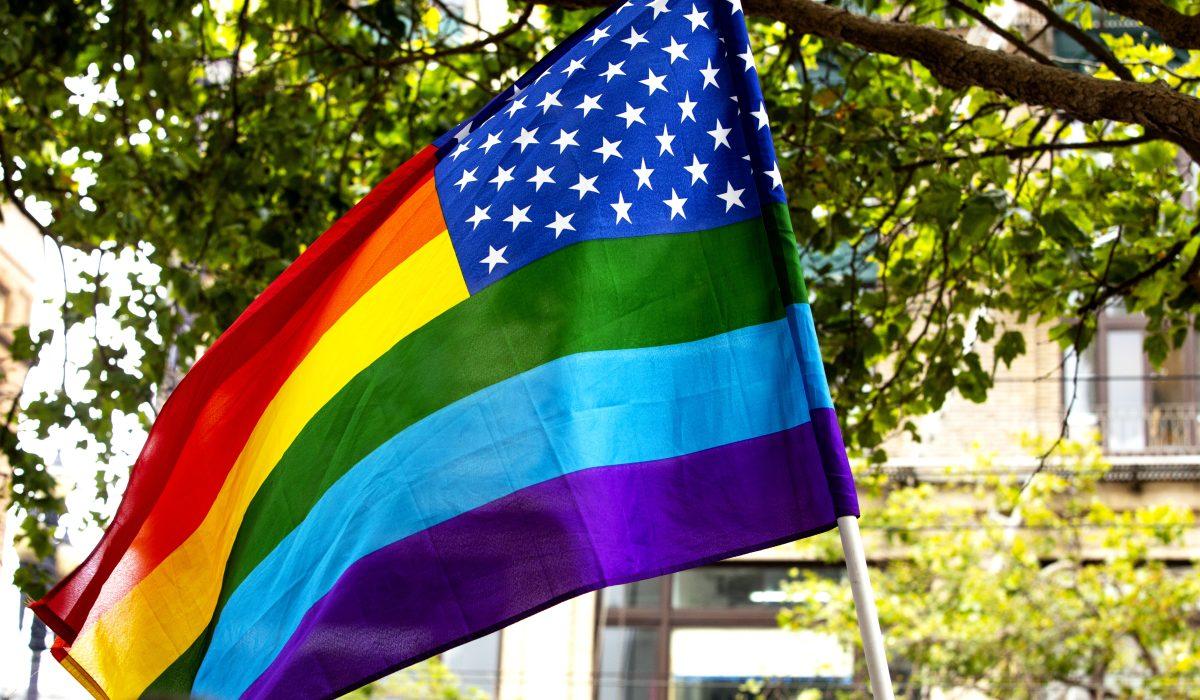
x,y
1115,319
665,617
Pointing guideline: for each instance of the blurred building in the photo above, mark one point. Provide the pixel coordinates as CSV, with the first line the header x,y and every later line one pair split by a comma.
x,y
20,259
1147,421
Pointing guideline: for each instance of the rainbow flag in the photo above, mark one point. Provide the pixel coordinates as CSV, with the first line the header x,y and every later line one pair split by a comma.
x,y
564,347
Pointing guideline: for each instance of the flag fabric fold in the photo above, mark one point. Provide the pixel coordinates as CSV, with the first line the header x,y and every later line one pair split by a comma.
x,y
566,346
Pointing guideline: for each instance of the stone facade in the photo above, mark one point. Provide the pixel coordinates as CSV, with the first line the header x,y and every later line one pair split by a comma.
x,y
20,261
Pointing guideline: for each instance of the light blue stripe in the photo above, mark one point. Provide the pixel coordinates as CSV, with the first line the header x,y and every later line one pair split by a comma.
x,y
585,410
805,333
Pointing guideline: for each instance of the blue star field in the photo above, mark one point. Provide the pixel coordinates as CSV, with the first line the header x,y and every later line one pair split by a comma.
x,y
650,120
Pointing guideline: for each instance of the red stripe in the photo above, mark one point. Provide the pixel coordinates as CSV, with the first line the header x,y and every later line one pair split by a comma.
x,y
202,428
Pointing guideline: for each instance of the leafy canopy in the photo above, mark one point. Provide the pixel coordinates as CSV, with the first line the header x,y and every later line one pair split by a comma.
x,y
213,141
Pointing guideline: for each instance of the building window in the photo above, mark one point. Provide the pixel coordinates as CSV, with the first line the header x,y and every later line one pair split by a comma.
x,y
1113,390
702,634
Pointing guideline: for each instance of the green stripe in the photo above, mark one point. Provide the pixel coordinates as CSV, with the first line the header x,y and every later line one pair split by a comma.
x,y
596,295
785,257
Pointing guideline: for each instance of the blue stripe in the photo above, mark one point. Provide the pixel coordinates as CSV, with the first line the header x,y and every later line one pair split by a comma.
x,y
804,332
581,411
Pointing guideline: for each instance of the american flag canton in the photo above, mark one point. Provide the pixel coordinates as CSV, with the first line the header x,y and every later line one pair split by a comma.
x,y
652,122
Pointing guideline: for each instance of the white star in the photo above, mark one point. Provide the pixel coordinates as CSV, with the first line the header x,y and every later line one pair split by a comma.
x,y
614,69
518,216
675,50
608,148
502,176
492,140
589,103
515,106
462,148
622,208
632,114
731,197
654,82
664,141
688,108
479,217
676,203
643,175
710,75
550,99
494,258
585,185
697,18
468,176
634,39
541,177
526,138
773,173
761,115
565,138
737,6
748,57
574,65
561,223
659,7
720,136
600,33
696,169
463,132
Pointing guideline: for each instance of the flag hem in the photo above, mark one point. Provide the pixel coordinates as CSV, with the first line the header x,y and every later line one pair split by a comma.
x,y
672,569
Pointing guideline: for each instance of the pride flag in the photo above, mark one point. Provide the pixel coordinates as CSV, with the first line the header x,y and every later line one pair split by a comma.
x,y
564,347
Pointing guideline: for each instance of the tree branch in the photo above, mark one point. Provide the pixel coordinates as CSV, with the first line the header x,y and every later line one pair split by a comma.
x,y
7,164
1106,291
1177,29
1017,42
1034,149
236,61
1087,41
957,65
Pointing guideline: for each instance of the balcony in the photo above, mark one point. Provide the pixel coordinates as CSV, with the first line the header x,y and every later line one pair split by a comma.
x,y
1145,442
1141,429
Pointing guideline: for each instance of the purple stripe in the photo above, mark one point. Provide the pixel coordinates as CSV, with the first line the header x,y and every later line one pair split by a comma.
x,y
837,466
491,566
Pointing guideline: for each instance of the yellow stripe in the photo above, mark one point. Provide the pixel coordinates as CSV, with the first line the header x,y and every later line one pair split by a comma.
x,y
82,676
134,641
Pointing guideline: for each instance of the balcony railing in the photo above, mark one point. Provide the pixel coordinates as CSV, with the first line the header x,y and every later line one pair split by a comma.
x,y
1167,428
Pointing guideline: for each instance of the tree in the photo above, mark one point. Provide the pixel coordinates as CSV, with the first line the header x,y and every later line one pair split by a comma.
x,y
939,191
1015,591
428,680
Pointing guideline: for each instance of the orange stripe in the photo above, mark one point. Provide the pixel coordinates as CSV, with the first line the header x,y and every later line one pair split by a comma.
x,y
202,428
416,222
413,225
159,618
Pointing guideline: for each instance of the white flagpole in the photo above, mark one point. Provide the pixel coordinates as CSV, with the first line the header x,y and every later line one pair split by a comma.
x,y
864,608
